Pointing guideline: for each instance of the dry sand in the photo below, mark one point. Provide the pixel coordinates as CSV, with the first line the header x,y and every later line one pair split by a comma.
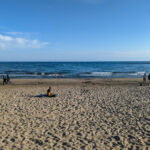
x,y
86,114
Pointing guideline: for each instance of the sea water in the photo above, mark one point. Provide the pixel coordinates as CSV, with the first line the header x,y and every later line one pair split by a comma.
x,y
74,69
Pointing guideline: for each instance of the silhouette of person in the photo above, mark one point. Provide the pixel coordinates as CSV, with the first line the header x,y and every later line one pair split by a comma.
x,y
4,80
144,78
149,77
8,78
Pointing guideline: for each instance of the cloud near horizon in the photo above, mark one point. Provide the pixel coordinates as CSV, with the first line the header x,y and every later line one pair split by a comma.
x,y
7,42
25,34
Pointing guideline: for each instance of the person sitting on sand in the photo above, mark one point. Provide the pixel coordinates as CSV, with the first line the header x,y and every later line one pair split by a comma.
x,y
49,92
144,78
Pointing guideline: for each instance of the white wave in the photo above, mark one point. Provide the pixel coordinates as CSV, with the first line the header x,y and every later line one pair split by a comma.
x,y
109,74
137,74
97,74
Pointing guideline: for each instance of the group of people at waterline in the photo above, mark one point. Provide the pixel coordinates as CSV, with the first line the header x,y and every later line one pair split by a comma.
x,y
145,77
6,79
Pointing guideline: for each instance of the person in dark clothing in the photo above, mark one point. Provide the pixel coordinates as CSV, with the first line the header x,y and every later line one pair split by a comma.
x,y
149,77
8,78
4,80
144,78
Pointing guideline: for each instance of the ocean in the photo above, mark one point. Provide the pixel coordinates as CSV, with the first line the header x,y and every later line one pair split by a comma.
x,y
74,69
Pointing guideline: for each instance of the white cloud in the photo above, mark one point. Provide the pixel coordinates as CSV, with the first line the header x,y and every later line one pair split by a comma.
x,y
22,33
5,38
21,40
7,42
14,33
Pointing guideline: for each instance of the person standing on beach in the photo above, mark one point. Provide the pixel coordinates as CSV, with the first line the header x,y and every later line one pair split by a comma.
x,y
4,80
8,78
144,78
149,78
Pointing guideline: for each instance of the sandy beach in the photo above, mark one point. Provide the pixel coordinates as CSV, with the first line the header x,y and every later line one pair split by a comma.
x,y
86,114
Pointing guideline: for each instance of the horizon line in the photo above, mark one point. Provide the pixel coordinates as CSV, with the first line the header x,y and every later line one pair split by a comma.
x,y
85,61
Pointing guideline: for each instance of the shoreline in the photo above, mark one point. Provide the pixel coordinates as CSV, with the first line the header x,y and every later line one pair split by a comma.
x,y
89,81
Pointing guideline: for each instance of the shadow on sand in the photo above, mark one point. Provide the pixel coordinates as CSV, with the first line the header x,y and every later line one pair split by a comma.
x,y
44,95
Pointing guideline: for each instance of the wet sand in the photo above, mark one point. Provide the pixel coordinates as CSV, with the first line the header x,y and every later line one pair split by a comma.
x,y
86,114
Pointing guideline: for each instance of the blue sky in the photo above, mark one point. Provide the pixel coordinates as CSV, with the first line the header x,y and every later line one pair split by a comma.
x,y
74,30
